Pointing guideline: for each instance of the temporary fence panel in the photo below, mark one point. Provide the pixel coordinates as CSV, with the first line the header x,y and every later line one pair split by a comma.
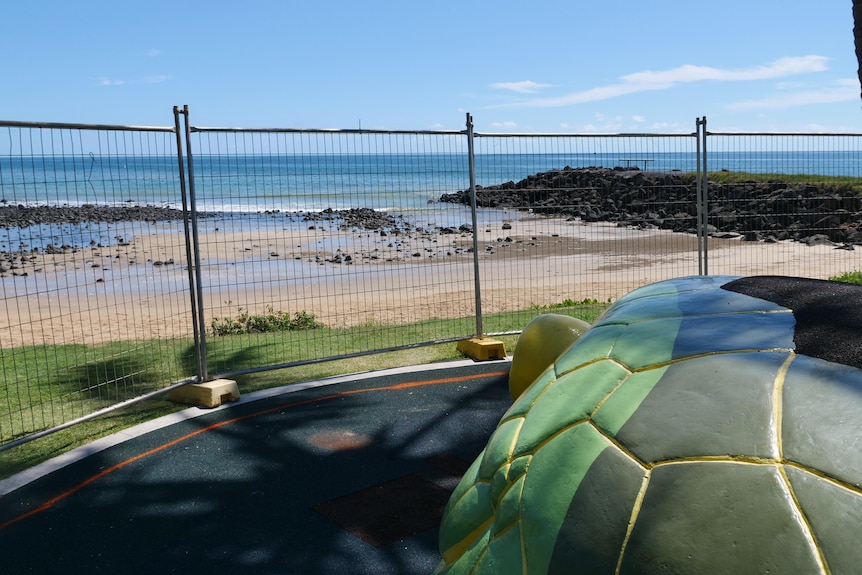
x,y
94,293
786,204
569,223
319,244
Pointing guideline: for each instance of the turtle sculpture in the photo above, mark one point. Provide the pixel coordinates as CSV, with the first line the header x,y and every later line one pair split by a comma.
x,y
701,425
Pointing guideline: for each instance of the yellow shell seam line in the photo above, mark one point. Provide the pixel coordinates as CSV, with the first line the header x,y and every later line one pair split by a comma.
x,y
481,556
456,551
636,509
778,406
614,390
506,417
553,436
803,519
613,441
478,481
515,436
505,529
816,472
591,362
738,459
503,493
711,354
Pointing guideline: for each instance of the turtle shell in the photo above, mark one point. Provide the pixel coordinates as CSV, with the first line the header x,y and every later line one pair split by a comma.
x,y
701,425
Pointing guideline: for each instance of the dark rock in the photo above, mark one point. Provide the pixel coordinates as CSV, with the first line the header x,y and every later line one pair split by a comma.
x,y
668,200
21,216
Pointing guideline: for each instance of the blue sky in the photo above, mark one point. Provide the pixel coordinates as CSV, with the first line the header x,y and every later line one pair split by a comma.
x,y
528,66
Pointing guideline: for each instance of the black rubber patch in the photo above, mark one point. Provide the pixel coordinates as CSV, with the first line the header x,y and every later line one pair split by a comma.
x,y
389,512
828,314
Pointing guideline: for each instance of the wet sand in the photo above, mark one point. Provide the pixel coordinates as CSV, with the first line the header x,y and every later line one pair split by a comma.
x,y
137,289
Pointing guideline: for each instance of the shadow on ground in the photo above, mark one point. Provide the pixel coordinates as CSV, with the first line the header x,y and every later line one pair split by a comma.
x,y
348,478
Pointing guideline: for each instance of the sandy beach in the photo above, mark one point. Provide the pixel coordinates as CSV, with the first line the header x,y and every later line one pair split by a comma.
x,y
137,288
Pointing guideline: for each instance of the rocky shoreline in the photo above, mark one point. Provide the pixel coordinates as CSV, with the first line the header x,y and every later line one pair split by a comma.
x,y
20,216
769,211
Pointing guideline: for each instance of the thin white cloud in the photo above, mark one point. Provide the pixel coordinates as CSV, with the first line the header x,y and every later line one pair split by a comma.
x,y
154,52
794,100
663,79
157,79
688,73
523,87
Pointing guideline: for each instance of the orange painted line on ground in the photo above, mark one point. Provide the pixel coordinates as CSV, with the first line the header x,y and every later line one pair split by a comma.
x,y
50,503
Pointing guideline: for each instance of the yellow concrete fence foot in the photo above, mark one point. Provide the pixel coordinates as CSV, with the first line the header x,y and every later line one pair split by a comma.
x,y
208,394
481,349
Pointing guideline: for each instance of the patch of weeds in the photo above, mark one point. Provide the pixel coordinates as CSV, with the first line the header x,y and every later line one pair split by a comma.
x,y
566,303
849,277
269,321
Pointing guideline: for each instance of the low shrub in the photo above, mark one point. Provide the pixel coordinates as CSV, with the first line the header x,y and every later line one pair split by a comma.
x,y
849,277
269,321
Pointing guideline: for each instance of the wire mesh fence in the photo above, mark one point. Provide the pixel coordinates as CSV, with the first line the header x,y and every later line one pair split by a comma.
x,y
567,219
91,318
779,194
336,234
308,245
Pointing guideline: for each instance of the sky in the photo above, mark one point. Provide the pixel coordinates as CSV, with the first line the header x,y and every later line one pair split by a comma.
x,y
533,66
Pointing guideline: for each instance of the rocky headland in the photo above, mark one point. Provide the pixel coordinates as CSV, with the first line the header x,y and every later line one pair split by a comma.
x,y
756,210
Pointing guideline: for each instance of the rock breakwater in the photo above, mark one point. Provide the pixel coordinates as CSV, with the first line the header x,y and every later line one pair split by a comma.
x,y
757,210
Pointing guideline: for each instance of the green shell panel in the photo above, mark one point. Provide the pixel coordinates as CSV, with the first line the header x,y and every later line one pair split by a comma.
x,y
466,564
708,517
509,507
554,475
705,301
504,554
499,449
463,515
620,406
596,344
822,424
568,400
686,410
835,515
525,401
598,516
679,419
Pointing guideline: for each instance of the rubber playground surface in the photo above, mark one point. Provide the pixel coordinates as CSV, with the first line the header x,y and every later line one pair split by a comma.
x,y
345,475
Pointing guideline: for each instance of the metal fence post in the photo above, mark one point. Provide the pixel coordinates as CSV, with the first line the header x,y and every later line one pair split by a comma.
x,y
181,172
701,185
476,280
193,256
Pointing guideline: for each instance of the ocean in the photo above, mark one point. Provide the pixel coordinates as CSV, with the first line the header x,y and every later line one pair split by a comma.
x,y
243,186
314,182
